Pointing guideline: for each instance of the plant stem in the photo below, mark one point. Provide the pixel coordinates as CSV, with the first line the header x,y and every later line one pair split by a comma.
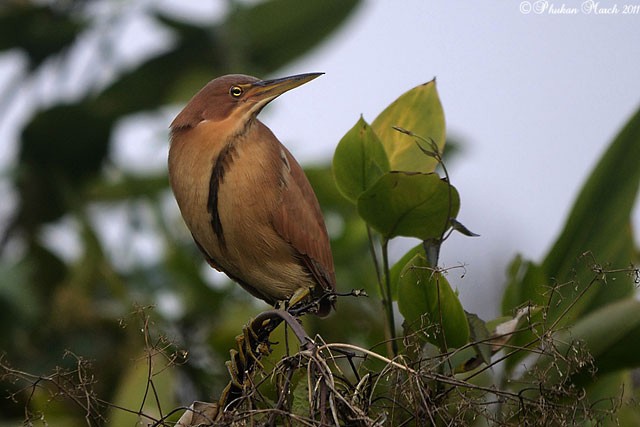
x,y
387,299
388,335
372,248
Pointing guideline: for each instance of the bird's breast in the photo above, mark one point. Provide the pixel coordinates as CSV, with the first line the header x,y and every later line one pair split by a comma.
x,y
241,196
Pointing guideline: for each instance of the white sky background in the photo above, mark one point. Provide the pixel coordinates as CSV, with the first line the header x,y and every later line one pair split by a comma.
x,y
534,98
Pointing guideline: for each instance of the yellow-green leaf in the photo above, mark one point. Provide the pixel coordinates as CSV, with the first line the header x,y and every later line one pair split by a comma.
x,y
418,110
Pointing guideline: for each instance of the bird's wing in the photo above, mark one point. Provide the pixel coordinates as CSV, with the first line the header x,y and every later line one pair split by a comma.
x,y
299,221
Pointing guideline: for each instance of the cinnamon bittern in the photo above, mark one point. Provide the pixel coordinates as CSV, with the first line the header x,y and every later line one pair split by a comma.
x,y
245,199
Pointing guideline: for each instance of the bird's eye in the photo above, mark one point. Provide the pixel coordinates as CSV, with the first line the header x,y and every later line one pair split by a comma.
x,y
236,91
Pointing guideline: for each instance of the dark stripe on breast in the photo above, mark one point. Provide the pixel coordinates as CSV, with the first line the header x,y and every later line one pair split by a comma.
x,y
225,158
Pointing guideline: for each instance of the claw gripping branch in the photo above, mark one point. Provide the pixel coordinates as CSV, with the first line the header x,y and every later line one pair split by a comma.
x,y
253,344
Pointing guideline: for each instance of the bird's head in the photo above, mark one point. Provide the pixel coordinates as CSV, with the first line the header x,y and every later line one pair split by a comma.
x,y
235,97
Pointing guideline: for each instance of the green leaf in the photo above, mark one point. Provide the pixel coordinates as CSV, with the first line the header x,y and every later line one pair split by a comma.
x,y
409,204
300,395
428,304
419,111
359,160
479,335
599,225
526,284
480,351
462,229
396,271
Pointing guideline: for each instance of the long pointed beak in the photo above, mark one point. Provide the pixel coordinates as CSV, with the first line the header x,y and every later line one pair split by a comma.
x,y
267,90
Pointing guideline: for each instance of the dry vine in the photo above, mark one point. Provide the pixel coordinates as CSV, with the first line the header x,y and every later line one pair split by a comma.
x,y
324,384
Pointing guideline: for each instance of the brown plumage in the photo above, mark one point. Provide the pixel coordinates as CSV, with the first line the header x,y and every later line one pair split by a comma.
x,y
246,200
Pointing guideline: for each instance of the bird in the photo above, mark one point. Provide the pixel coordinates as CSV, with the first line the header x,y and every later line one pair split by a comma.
x,y
245,199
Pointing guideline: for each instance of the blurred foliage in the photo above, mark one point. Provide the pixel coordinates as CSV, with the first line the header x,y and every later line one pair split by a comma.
x,y
64,175
587,267
85,325
37,30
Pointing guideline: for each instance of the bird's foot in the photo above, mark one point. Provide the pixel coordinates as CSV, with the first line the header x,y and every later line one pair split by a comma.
x,y
253,344
299,304
251,348
300,296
